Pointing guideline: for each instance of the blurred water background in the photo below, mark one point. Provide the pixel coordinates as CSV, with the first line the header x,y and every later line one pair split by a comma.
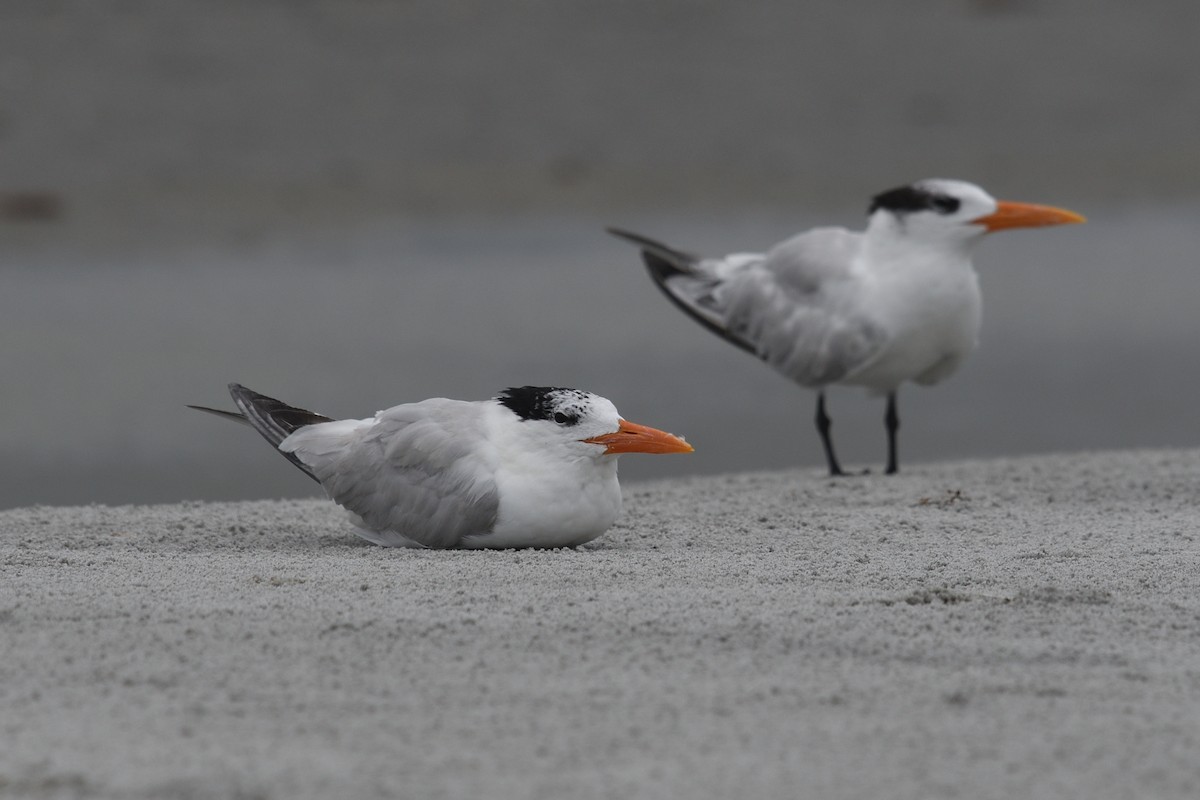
x,y
350,205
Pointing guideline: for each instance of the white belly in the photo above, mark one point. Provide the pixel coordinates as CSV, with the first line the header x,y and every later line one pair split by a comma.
x,y
934,326
554,508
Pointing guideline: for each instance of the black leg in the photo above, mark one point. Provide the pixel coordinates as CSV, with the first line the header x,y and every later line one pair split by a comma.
x,y
823,426
892,420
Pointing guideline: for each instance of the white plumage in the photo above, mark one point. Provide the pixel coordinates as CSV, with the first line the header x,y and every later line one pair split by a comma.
x,y
534,467
897,302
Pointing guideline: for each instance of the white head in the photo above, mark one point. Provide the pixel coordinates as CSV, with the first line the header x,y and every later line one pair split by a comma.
x,y
939,210
582,423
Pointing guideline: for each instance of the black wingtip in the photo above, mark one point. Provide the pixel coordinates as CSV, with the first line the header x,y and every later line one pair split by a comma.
x,y
222,413
276,415
680,259
664,263
660,269
621,233
274,419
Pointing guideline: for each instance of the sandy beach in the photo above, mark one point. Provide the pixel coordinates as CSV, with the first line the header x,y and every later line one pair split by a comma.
x,y
987,629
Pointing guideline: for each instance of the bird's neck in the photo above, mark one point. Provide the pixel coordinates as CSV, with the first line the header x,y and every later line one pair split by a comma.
x,y
891,241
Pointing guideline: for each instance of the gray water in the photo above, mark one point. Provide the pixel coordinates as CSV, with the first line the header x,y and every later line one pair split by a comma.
x,y
1088,342
349,206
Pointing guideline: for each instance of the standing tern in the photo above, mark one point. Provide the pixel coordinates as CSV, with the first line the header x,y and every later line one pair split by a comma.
x,y
897,302
534,467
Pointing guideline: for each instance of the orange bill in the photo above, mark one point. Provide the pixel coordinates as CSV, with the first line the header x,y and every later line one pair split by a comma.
x,y
1026,215
634,438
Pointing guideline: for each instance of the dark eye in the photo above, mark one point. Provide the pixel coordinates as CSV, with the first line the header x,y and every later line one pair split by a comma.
x,y
561,418
945,205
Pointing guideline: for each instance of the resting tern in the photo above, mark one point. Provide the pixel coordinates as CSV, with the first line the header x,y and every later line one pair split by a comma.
x,y
534,467
897,302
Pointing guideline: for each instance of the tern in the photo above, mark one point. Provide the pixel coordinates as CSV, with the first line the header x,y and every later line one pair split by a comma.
x,y
897,302
533,467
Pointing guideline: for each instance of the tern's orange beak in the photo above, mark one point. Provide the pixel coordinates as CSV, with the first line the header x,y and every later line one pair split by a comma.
x,y
634,438
1026,215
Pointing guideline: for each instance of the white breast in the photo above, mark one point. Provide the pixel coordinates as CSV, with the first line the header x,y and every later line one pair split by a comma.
x,y
563,505
932,312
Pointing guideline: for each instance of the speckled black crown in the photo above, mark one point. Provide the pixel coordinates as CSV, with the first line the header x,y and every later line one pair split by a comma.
x,y
907,199
553,403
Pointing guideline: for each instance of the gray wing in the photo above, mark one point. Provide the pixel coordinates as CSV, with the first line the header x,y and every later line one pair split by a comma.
x,y
415,470
795,307
799,305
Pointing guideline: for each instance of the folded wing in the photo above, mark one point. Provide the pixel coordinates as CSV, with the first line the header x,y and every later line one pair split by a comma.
x,y
417,471
793,307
